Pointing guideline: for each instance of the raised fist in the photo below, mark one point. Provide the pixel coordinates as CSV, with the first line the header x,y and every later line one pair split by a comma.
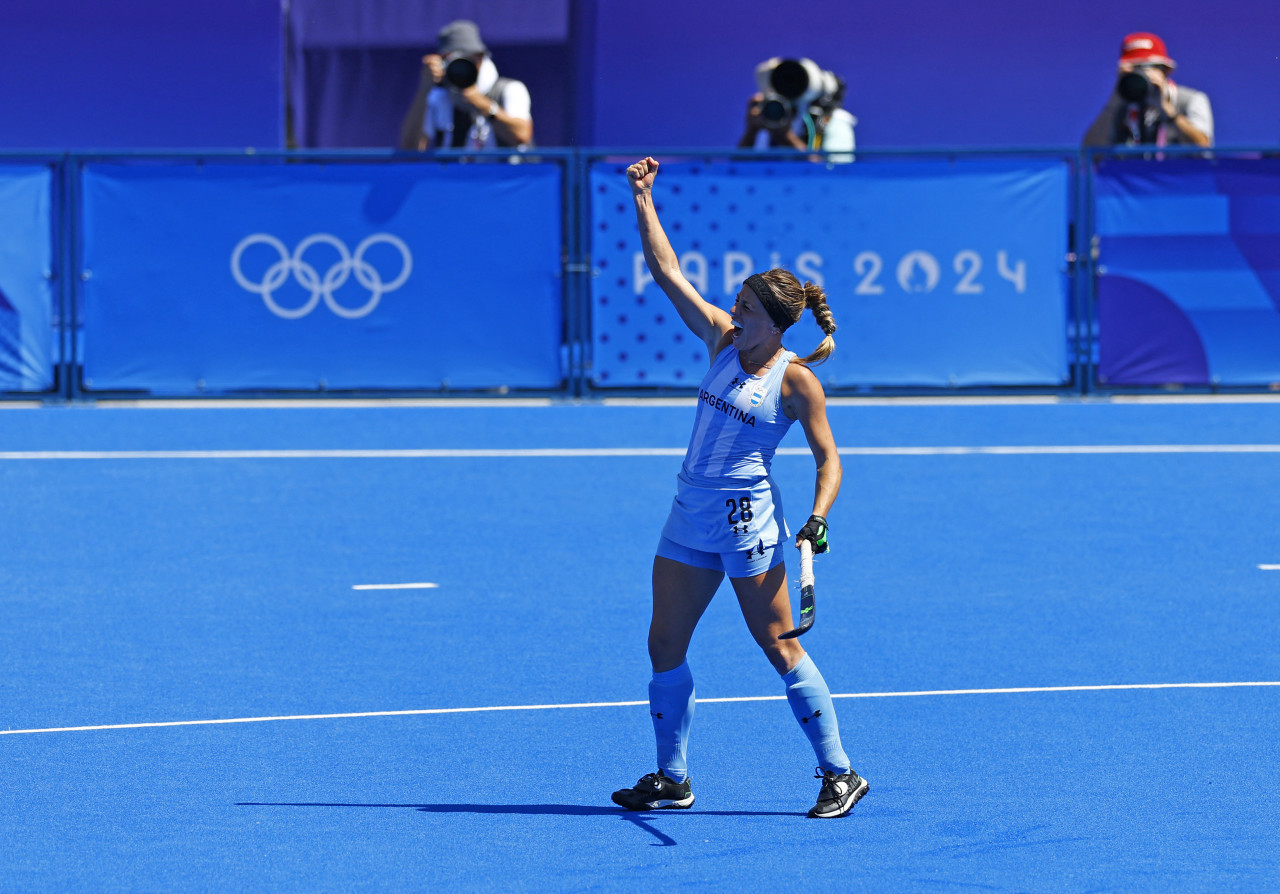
x,y
640,175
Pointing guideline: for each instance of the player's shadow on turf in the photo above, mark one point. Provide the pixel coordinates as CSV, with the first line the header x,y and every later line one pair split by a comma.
x,y
636,818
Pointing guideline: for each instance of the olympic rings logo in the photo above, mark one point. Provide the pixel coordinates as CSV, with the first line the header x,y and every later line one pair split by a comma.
x,y
309,278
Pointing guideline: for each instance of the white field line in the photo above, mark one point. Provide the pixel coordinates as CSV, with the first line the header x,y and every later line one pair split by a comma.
x,y
989,400
1192,399
995,400
337,403
1269,567
704,701
422,586
501,402
423,453
580,452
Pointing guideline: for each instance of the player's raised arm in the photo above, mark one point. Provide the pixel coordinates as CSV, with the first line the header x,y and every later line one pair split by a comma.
x,y
703,318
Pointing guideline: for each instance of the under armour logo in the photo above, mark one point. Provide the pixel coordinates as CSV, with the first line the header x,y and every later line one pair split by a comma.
x,y
814,716
658,714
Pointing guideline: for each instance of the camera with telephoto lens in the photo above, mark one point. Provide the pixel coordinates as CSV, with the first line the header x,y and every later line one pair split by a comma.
x,y
1135,87
459,71
793,86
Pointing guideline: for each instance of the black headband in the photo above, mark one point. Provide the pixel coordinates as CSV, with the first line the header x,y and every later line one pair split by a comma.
x,y
776,310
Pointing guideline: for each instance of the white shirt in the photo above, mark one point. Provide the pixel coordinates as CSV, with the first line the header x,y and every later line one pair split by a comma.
x,y
514,101
837,136
1195,106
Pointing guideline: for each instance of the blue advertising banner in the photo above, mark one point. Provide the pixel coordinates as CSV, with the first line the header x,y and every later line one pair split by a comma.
x,y
940,273
207,278
1189,271
27,336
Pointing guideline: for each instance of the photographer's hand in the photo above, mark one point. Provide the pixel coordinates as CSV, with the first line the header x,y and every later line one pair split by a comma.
x,y
477,100
780,132
755,121
1160,82
1190,132
434,63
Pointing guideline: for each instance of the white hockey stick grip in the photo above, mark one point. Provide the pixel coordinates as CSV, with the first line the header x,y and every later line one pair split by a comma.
x,y
806,564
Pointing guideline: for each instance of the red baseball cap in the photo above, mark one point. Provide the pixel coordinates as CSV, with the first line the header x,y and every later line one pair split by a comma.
x,y
1143,47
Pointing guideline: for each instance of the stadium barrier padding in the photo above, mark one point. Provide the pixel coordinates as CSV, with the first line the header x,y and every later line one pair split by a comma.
x,y
207,277
941,273
206,274
28,313
1189,271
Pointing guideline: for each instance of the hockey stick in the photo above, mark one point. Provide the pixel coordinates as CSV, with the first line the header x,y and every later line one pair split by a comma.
x,y
806,591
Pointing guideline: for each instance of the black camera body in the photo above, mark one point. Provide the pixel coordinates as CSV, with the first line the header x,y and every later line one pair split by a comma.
x,y
793,86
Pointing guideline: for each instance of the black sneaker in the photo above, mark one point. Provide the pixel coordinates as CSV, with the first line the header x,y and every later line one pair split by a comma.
x,y
838,795
655,792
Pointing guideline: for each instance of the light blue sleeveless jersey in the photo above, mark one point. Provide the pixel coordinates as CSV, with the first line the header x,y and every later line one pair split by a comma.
x,y
725,500
739,423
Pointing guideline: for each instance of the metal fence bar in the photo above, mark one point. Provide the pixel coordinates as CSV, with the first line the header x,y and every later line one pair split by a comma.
x,y
74,278
1086,282
63,267
578,272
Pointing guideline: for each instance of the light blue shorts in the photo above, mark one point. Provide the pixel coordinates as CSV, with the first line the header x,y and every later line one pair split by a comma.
x,y
734,564
727,516
732,526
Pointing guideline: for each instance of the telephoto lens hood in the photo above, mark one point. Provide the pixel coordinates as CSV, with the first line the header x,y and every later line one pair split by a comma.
x,y
461,72
1133,86
791,77
799,81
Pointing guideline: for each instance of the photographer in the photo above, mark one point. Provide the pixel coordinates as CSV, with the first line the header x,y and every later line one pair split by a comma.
x,y
1147,107
462,102
798,107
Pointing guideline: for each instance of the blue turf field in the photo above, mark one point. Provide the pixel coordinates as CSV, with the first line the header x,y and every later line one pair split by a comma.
x,y
198,564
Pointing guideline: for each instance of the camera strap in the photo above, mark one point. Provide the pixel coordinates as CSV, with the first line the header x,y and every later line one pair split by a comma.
x,y
465,120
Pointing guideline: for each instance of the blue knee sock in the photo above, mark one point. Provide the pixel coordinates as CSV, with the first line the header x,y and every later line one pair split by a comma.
x,y
671,709
811,703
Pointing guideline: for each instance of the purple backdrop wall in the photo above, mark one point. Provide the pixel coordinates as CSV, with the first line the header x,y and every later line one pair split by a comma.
x,y
141,73
76,74
921,72
355,65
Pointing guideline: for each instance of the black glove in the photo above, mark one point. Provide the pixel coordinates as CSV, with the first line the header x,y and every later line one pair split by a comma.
x,y
815,531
